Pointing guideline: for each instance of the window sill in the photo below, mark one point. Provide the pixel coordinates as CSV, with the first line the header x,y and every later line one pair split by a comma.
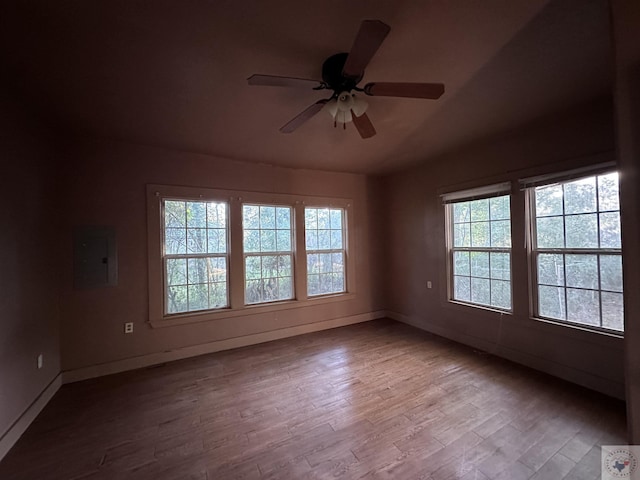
x,y
579,328
247,310
479,307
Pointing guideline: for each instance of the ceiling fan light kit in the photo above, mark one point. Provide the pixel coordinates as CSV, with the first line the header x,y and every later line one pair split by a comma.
x,y
341,73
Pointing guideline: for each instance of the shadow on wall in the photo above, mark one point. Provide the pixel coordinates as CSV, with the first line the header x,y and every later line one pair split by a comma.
x,y
566,37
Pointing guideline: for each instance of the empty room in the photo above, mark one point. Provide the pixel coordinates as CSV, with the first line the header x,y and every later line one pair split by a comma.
x,y
289,240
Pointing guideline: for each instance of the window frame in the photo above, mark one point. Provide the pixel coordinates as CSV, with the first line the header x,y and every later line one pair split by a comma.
x,y
235,271
261,254
187,255
343,251
466,195
533,251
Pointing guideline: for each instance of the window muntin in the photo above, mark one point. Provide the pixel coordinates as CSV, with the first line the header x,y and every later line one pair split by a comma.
x,y
268,253
576,248
480,251
195,255
326,253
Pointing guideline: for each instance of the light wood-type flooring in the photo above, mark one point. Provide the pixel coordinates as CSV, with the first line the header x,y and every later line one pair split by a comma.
x,y
373,400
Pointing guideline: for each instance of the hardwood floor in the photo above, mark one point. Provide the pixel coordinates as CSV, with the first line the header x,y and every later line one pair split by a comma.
x,y
374,400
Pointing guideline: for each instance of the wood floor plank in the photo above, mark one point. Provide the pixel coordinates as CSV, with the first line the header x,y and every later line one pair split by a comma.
x,y
374,400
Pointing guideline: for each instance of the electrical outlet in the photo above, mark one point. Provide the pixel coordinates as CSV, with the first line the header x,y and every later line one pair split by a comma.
x,y
429,285
40,361
128,327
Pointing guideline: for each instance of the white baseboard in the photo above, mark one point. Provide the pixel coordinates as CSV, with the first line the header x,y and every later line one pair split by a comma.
x,y
142,361
11,436
573,375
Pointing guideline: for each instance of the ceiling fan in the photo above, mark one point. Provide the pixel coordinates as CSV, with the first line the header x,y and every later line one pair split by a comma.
x,y
341,73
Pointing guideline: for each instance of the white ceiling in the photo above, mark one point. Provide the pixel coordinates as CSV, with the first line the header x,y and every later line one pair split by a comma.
x,y
173,73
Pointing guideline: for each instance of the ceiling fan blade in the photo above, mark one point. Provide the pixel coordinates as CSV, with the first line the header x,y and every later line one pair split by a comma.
x,y
277,81
410,90
369,38
302,117
364,125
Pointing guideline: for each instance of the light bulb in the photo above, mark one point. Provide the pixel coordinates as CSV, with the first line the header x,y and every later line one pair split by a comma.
x,y
360,105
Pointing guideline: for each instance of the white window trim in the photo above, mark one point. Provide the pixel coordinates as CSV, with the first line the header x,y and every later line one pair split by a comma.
x,y
235,199
478,193
344,251
528,185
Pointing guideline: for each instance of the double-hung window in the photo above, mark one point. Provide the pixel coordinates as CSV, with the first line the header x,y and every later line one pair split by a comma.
x,y
195,255
576,250
325,247
479,246
268,253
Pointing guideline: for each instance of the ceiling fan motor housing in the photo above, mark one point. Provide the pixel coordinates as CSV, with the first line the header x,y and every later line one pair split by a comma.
x,y
332,74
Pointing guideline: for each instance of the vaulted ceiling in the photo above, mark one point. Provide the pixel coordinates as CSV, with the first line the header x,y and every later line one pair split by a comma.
x,y
173,73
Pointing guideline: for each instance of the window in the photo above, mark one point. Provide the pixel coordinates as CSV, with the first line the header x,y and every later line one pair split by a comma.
x,y
268,253
576,249
479,245
216,254
325,246
195,255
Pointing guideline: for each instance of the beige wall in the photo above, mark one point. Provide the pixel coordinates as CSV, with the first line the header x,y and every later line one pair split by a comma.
x,y
28,262
105,185
417,247
626,23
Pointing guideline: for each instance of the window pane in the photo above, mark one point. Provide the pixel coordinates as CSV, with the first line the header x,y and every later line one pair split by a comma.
x,y
500,265
337,260
175,215
336,239
612,311
582,271
175,241
196,240
310,218
501,233
480,210
283,218
197,270
462,288
337,282
285,291
196,214
217,269
313,284
580,196
253,267
608,192
269,266
216,215
267,217
311,239
480,264
218,295
461,264
250,216
610,230
583,306
216,240
480,234
551,269
176,271
499,208
177,299
548,201
611,272
462,235
324,221
551,302
550,232
582,231
480,291
461,212
324,239
251,240
501,294
267,240
284,265
336,219
198,297
283,239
